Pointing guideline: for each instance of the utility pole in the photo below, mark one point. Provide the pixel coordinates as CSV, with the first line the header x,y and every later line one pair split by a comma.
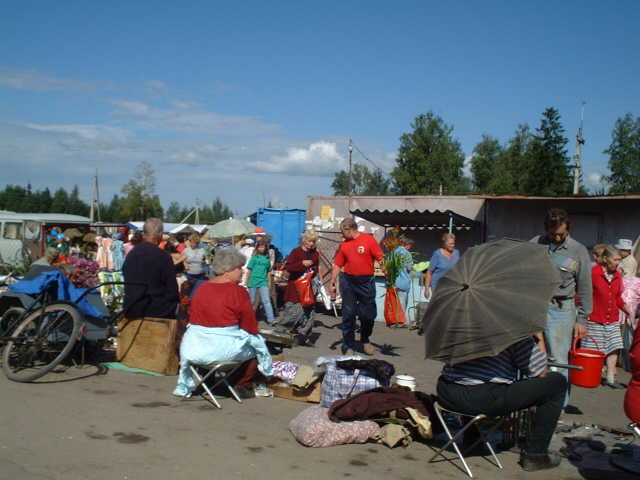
x,y
95,199
350,182
577,157
350,153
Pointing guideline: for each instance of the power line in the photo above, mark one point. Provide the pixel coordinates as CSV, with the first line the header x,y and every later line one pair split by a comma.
x,y
368,159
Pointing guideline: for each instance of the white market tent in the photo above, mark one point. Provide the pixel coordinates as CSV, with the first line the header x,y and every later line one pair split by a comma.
x,y
174,228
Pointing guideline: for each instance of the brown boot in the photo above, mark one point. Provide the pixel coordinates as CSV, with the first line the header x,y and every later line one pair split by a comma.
x,y
368,349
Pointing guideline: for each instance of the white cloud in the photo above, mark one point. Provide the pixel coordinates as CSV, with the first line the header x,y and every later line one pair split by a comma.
x,y
157,85
86,132
190,120
209,148
319,159
466,168
184,104
594,178
34,80
131,108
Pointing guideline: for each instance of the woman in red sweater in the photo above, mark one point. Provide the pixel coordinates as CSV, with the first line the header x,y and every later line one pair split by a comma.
x,y
603,325
223,327
296,318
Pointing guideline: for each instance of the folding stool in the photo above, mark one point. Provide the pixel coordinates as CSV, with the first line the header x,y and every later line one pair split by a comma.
x,y
223,370
453,439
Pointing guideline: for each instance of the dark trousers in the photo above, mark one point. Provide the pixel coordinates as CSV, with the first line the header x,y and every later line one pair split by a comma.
x,y
495,399
358,300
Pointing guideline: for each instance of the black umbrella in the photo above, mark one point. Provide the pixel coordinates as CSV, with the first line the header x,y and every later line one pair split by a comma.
x,y
497,294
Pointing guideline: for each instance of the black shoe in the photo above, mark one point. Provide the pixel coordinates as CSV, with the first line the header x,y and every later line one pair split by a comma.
x,y
614,385
572,410
532,462
245,392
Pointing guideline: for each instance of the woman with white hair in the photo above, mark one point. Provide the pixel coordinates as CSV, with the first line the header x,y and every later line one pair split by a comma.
x,y
305,258
223,327
603,328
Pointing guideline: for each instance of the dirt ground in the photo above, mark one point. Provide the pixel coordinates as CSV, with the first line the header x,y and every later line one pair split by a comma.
x,y
84,424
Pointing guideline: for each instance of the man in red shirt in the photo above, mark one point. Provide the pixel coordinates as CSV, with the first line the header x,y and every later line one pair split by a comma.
x,y
354,264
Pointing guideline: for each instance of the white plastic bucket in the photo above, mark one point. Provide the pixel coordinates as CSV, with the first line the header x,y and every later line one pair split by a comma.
x,y
406,381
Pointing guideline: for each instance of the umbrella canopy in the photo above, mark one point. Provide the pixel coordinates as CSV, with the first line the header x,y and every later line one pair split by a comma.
x,y
497,294
233,227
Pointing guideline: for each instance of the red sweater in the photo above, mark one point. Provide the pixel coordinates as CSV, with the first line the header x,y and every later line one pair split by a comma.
x,y
356,255
223,305
294,266
606,296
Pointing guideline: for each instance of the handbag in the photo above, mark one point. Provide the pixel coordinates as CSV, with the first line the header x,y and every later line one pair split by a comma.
x,y
338,384
304,289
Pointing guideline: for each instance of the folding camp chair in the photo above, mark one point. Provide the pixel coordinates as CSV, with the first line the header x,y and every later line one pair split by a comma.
x,y
220,369
453,439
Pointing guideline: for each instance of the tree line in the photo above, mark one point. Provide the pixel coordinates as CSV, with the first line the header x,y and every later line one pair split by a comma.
x,y
137,201
430,161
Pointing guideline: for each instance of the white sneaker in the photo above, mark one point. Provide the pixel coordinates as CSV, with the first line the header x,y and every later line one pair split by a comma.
x,y
261,390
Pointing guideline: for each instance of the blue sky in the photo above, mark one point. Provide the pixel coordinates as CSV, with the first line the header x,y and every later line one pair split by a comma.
x,y
257,100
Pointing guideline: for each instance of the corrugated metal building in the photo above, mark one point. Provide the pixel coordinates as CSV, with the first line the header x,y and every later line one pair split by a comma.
x,y
479,218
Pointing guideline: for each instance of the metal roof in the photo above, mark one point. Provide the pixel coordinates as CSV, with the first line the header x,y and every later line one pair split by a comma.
x,y
414,218
45,217
571,197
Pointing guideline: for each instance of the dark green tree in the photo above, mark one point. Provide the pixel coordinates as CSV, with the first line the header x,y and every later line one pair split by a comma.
x,y
377,183
363,182
429,159
140,201
44,200
219,211
510,168
60,202
76,206
113,211
13,198
173,213
483,163
548,171
624,156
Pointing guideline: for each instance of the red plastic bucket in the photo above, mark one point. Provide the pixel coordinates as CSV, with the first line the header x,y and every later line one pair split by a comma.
x,y
591,362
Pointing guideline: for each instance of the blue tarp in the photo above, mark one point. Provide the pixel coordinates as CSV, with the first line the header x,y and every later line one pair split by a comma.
x,y
65,290
204,345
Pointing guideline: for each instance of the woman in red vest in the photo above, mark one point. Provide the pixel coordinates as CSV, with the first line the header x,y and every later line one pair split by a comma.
x,y
603,328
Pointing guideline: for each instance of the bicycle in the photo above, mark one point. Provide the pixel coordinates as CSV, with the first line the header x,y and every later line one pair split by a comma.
x,y
45,333
10,317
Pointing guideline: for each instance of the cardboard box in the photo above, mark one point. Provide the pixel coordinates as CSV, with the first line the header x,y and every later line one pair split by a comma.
x,y
283,390
148,343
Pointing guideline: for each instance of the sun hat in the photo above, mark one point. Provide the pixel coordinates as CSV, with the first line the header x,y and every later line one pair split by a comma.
x,y
624,244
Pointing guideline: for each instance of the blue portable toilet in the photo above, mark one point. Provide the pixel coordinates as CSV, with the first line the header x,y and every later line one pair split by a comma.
x,y
284,225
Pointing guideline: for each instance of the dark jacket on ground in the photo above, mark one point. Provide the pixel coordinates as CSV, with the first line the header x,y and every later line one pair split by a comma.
x,y
155,293
377,402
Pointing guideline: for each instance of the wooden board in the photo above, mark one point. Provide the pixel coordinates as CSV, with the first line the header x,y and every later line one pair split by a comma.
x,y
148,343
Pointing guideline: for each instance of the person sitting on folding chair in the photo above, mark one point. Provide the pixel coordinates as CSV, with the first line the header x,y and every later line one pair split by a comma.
x,y
490,386
222,327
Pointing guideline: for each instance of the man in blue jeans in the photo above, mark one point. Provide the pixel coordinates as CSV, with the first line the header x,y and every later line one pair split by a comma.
x,y
571,303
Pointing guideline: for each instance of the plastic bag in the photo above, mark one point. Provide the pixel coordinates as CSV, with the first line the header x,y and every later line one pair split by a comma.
x,y
304,289
393,311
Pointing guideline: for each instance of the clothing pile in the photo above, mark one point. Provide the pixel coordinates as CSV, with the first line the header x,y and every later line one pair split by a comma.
x,y
297,376
357,406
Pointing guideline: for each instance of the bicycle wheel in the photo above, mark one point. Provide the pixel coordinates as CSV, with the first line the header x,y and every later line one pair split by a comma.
x,y
9,320
41,342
